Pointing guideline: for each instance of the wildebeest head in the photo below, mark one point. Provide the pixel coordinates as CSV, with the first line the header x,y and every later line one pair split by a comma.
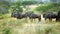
x,y
13,14
16,14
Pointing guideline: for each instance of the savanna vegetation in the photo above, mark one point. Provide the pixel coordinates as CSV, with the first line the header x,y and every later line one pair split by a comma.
x,y
11,25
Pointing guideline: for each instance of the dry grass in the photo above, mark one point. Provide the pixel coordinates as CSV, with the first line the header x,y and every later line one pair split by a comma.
x,y
24,26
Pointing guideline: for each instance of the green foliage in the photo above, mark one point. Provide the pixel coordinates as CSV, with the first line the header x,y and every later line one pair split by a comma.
x,y
16,6
3,16
5,5
29,2
7,31
20,9
47,7
22,26
18,3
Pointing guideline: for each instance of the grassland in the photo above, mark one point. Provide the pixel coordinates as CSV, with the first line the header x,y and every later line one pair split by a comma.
x,y
26,26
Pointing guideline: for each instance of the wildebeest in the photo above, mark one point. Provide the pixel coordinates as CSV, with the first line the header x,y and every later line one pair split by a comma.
x,y
31,15
17,15
34,16
13,14
58,16
49,15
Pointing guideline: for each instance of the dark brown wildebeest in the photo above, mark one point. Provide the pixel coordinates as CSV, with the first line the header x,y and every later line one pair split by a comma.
x,y
14,14
31,15
58,16
17,15
49,15
34,16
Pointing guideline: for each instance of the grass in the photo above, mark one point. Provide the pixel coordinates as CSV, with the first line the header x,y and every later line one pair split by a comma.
x,y
23,26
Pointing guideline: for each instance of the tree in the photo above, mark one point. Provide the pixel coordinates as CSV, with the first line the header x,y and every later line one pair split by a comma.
x,y
17,6
47,7
5,5
55,1
29,2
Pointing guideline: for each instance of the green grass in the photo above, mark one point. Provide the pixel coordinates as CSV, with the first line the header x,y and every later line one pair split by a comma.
x,y
22,26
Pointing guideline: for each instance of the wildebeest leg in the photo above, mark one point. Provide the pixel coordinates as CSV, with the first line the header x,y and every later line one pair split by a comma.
x,y
39,19
45,19
31,20
50,19
57,19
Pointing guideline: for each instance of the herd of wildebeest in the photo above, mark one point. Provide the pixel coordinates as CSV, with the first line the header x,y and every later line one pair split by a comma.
x,y
32,15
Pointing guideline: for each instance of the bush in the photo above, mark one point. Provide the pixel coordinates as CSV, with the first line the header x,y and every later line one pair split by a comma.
x,y
17,6
2,16
29,2
7,31
47,7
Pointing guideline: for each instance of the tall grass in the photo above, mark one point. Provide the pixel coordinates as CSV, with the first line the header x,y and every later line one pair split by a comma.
x,y
22,26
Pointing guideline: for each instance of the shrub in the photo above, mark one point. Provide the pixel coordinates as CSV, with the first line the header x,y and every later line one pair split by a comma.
x,y
47,7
